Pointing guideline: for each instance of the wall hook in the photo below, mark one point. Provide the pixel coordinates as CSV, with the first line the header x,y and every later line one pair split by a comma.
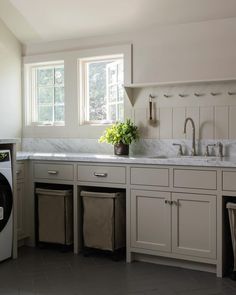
x,y
183,95
231,93
198,94
215,93
167,95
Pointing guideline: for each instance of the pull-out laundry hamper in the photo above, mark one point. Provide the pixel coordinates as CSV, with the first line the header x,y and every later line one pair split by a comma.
x,y
232,220
55,216
104,220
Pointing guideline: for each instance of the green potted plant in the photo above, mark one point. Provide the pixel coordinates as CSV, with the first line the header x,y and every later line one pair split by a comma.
x,y
121,135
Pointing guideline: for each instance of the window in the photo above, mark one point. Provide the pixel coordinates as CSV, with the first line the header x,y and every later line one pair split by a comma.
x,y
45,91
102,92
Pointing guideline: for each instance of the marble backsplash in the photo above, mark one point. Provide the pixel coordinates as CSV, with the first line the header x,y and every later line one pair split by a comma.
x,y
142,147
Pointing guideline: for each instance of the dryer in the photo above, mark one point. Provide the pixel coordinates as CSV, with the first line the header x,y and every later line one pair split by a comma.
x,y
6,205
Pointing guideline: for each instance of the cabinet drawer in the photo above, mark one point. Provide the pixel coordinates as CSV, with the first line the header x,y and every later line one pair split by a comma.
x,y
54,171
229,180
101,174
199,179
150,176
20,171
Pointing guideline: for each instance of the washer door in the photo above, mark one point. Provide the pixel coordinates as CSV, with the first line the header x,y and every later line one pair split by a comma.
x,y
6,201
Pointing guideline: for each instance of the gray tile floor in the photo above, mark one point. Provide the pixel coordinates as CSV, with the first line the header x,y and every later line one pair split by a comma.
x,y
51,272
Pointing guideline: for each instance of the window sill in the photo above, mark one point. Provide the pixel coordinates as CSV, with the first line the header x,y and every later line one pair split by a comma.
x,y
96,124
45,125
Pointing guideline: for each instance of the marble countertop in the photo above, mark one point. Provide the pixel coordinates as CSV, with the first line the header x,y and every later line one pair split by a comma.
x,y
137,159
8,140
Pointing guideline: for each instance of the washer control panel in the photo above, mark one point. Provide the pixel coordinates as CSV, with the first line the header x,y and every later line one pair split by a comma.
x,y
4,156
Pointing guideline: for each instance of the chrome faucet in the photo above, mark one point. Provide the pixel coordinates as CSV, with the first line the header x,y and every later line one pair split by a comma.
x,y
193,151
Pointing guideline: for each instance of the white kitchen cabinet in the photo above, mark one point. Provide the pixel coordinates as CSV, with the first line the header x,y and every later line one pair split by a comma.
x,y
21,202
229,180
180,223
195,179
150,220
52,171
194,224
101,174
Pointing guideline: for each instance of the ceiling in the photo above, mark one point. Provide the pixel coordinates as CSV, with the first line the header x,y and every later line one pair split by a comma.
x,y
46,20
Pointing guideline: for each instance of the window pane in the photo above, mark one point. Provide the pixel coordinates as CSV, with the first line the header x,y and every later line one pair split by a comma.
x,y
120,112
103,91
59,76
45,113
112,112
45,95
59,94
112,93
120,93
112,73
97,90
45,76
121,71
59,113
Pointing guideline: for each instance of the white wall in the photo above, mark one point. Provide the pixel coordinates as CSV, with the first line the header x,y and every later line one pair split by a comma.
x,y
10,84
186,52
193,51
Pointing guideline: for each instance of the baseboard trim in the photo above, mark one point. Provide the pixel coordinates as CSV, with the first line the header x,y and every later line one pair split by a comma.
x,y
175,262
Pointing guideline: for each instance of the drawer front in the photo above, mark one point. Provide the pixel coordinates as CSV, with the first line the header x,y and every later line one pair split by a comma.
x,y
54,171
94,173
150,176
20,171
198,179
229,180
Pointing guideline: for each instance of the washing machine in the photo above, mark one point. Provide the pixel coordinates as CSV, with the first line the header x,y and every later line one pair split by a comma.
x,y
6,205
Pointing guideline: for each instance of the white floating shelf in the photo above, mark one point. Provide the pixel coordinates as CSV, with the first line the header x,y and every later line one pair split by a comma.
x,y
129,87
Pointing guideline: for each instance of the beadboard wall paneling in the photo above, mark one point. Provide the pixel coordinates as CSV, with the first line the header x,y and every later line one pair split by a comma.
x,y
232,122
221,122
179,115
166,125
211,107
206,128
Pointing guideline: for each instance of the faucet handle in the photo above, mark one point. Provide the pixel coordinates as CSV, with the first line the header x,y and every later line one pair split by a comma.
x,y
180,151
207,152
220,149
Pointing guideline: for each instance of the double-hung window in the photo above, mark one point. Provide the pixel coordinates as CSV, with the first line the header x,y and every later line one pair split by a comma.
x,y
102,92
45,97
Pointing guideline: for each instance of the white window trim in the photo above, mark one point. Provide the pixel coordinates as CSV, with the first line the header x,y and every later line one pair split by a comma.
x,y
30,96
72,128
92,54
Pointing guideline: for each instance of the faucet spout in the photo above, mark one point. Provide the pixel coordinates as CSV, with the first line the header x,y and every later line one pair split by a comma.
x,y
193,151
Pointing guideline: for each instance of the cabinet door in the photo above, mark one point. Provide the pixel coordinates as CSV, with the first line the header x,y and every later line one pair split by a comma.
x,y
194,225
21,216
150,220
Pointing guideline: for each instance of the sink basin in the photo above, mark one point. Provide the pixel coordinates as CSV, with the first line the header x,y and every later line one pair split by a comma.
x,y
192,158
157,157
200,158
